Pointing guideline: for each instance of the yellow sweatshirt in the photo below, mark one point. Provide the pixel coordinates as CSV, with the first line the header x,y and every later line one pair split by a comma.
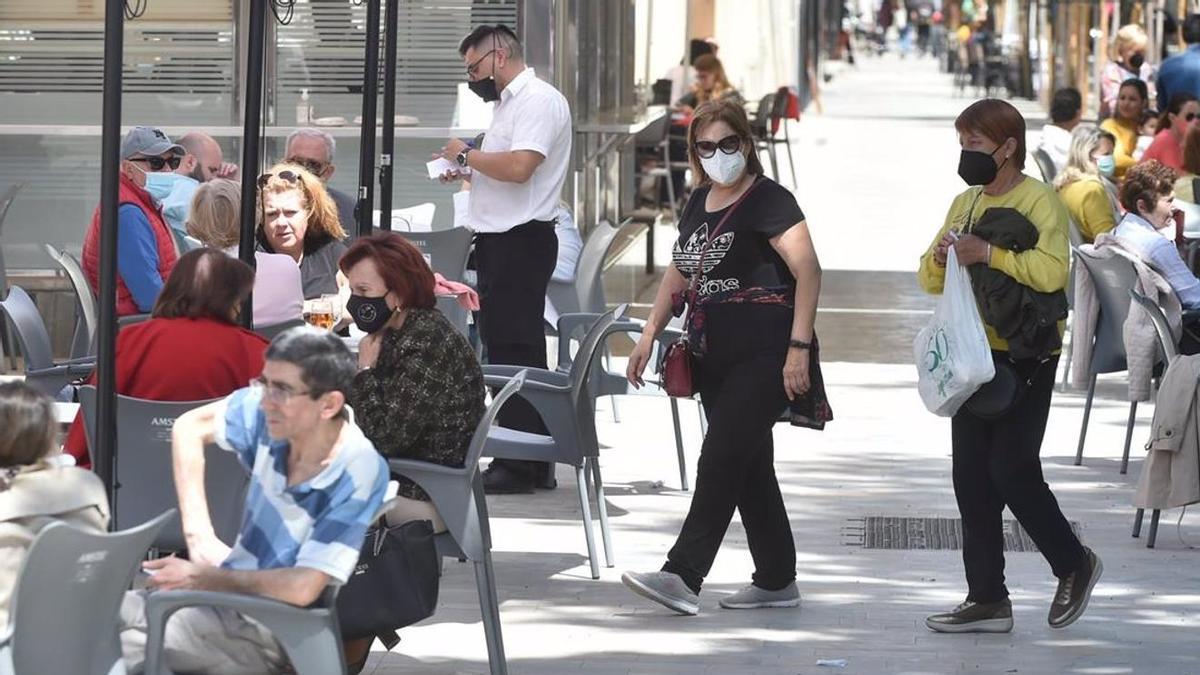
x,y
1127,135
1087,202
1042,268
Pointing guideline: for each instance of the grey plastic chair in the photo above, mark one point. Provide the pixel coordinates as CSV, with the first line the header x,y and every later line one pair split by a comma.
x,y
1169,345
565,404
1045,165
71,584
1076,238
455,313
1113,278
84,342
41,370
447,249
586,292
143,474
270,331
457,493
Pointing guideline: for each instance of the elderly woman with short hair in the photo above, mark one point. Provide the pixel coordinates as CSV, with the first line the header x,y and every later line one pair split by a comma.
x,y
215,221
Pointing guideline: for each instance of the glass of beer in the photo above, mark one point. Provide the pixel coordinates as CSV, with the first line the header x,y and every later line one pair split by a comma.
x,y
319,313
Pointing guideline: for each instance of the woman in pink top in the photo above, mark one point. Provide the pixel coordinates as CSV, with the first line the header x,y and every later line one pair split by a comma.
x,y
278,292
1180,116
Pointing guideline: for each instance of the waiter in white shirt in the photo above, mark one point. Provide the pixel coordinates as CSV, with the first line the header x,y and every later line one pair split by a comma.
x,y
516,180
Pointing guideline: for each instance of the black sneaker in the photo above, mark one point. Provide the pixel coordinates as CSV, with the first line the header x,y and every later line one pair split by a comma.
x,y
499,480
1074,591
974,617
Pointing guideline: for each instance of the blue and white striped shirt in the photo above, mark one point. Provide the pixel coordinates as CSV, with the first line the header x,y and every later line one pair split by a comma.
x,y
318,524
1162,255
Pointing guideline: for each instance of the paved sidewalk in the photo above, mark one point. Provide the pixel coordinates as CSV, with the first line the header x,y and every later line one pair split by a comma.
x,y
877,174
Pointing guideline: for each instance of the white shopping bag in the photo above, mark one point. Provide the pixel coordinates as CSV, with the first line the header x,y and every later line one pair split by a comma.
x,y
952,353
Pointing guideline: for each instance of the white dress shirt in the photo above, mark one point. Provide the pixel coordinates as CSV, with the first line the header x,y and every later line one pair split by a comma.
x,y
530,115
1056,141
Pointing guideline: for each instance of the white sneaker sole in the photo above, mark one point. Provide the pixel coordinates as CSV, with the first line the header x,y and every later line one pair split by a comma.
x,y
672,603
1086,598
981,626
766,604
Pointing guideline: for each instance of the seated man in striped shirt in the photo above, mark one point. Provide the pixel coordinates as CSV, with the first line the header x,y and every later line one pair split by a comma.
x,y
315,483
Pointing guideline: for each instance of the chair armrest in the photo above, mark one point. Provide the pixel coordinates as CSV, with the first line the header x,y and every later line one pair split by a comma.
x,y
569,323
530,385
500,375
409,467
161,603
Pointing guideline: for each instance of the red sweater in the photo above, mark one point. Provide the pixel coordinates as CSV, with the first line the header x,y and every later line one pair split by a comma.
x,y
178,360
1166,148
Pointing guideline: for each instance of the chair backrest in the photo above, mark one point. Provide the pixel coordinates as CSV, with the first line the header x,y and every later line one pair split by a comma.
x,y
779,108
1112,278
1045,165
67,601
1074,234
446,250
1166,338
760,122
461,514
144,462
590,269
84,298
6,201
270,331
417,218
454,313
32,335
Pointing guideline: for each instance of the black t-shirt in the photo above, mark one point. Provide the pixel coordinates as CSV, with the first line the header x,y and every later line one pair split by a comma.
x,y
742,256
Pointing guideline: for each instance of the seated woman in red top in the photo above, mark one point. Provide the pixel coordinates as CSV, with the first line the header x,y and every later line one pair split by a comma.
x,y
192,348
1181,115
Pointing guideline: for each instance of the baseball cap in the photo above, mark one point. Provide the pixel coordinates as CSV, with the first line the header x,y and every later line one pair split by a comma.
x,y
149,141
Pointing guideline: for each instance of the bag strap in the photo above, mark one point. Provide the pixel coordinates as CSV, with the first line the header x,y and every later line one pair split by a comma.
x,y
712,235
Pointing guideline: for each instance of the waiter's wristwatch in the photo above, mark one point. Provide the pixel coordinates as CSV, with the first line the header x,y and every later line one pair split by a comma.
x,y
462,156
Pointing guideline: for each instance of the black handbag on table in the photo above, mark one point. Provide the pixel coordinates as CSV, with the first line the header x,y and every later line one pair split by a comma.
x,y
395,583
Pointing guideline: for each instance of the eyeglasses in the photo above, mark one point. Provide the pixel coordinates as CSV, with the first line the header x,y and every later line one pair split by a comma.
x,y
157,163
314,167
289,176
728,145
475,66
274,392
1191,116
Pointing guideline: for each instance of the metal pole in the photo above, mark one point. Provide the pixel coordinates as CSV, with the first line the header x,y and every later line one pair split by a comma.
x,y
389,114
104,450
251,131
366,147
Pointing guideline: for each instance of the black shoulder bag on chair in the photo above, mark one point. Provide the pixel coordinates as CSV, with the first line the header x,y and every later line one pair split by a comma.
x,y
395,583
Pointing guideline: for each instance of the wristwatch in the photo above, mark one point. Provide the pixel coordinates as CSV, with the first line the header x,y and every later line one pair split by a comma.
x,y
799,344
462,156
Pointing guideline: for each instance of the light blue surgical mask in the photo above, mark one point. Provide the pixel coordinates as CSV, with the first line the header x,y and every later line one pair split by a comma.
x,y
1106,164
173,193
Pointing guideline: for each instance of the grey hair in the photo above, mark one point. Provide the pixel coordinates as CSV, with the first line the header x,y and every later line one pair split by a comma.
x,y
310,132
1080,165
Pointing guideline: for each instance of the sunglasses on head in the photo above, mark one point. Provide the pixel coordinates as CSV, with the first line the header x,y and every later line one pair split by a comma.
x,y
157,163
289,176
728,145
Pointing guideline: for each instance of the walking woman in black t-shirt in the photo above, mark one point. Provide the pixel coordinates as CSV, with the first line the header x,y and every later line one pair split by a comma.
x,y
752,299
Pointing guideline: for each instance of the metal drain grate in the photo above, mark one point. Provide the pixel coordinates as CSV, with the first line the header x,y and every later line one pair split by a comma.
x,y
926,534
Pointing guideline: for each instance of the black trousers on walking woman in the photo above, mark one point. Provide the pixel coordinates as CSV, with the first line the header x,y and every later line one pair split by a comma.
x,y
741,388
997,463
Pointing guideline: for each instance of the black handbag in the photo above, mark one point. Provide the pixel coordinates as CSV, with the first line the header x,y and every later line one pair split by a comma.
x,y
395,583
997,397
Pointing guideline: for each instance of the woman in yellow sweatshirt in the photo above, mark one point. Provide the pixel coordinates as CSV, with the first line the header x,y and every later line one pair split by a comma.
x,y
1085,184
996,458
1132,99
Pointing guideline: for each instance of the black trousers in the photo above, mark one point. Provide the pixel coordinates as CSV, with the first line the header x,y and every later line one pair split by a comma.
x,y
514,269
997,463
743,399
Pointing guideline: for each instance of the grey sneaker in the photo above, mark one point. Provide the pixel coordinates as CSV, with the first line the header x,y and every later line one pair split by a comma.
x,y
753,597
1074,591
665,588
974,617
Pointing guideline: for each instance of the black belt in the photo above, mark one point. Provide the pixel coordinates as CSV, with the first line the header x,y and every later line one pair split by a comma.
x,y
525,226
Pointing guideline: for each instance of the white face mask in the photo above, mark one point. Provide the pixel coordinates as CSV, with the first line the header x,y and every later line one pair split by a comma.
x,y
724,169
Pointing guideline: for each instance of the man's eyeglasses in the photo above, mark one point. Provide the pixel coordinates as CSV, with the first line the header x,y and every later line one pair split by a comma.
x,y
289,176
275,392
314,167
157,163
475,66
728,145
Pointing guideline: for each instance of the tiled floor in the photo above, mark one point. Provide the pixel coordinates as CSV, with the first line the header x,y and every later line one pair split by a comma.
x,y
876,174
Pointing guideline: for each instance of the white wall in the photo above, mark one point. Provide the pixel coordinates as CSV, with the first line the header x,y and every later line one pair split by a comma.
x,y
759,44
662,37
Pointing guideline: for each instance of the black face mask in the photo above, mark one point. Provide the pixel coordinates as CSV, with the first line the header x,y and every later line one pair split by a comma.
x,y
486,88
370,314
1136,61
978,168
